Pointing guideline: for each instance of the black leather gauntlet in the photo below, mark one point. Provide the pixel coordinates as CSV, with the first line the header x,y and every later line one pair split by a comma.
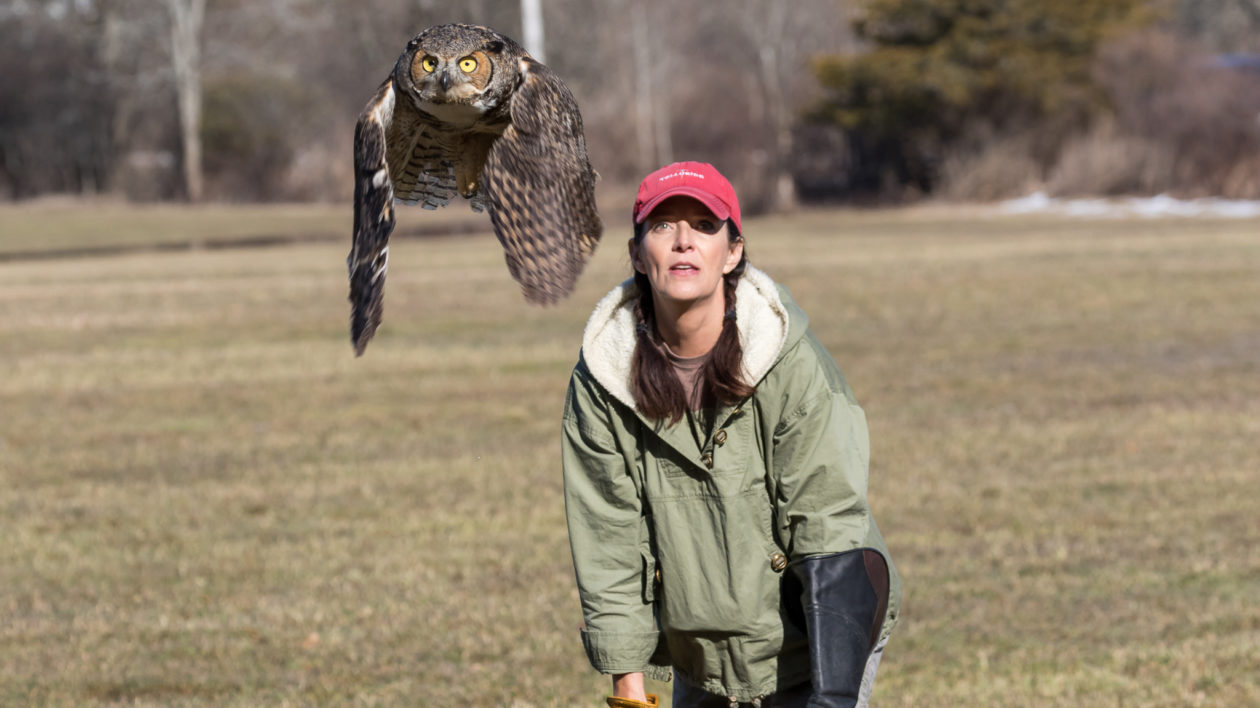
x,y
842,601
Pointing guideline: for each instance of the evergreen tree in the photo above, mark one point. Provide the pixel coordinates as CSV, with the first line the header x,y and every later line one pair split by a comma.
x,y
944,72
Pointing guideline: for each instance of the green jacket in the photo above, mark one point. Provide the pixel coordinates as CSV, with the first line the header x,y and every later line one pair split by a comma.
x,y
678,547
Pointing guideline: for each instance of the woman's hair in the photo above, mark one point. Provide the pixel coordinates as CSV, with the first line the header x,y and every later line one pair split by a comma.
x,y
657,391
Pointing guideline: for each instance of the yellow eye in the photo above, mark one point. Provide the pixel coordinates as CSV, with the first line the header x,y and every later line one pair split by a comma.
x,y
429,64
468,65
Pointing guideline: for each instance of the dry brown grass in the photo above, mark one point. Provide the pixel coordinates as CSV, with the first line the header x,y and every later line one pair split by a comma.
x,y
205,500
55,225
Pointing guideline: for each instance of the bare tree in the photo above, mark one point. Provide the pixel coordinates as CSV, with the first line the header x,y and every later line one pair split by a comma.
x,y
783,35
55,100
187,18
1221,25
532,29
652,128
766,22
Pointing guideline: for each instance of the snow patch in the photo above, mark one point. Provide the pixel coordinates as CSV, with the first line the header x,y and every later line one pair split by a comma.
x,y
1145,207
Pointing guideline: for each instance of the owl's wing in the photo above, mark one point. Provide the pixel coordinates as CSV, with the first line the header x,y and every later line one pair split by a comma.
x,y
393,158
541,189
373,216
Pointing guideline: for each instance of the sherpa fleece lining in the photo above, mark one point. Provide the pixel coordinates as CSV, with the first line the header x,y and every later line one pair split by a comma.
x,y
609,340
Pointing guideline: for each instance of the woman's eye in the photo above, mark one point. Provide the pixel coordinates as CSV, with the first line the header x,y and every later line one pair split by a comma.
x,y
661,226
706,226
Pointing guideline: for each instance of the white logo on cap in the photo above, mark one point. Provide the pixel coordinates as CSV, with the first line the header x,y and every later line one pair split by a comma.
x,y
681,173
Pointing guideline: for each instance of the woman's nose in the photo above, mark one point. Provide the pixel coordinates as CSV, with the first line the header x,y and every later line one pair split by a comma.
x,y
683,236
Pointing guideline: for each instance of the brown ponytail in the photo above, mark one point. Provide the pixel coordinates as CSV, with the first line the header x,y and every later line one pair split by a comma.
x,y
657,391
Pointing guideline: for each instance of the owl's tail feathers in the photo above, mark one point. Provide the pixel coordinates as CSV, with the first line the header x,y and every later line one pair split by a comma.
x,y
368,262
367,297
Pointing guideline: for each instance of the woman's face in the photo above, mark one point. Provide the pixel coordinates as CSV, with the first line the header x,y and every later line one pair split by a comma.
x,y
685,251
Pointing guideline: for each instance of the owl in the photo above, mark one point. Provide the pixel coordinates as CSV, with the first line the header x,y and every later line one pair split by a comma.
x,y
467,111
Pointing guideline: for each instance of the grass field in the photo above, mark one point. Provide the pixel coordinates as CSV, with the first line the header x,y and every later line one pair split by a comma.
x,y
55,226
206,500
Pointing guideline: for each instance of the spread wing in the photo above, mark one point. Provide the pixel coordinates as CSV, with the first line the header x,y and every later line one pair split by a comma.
x,y
540,188
373,216
394,156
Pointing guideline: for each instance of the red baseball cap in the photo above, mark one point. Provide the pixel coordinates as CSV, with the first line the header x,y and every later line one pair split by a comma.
x,y
698,180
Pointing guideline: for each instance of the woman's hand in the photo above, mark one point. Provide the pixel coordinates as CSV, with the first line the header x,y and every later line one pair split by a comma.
x,y
629,686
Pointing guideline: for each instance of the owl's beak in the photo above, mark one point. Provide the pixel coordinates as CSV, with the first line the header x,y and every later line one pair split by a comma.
x,y
445,81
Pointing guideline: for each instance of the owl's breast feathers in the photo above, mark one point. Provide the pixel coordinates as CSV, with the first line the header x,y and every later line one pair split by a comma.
x,y
465,116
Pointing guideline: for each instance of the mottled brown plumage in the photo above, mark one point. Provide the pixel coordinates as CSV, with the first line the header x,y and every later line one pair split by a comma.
x,y
467,111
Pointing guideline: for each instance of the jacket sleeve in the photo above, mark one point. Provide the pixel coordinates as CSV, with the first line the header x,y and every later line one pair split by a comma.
x,y
607,535
820,460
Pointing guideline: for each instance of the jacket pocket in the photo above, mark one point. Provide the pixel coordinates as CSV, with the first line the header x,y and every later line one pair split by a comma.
x,y
717,571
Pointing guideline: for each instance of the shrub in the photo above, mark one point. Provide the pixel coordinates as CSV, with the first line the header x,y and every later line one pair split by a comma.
x,y
252,127
998,168
1171,96
1101,161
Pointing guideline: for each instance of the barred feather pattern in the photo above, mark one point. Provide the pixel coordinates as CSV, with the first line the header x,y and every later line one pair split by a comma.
x,y
373,219
541,198
421,165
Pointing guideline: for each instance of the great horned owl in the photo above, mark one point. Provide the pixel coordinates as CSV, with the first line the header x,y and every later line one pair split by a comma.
x,y
466,110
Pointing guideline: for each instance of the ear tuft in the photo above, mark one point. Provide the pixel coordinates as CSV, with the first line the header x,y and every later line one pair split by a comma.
x,y
494,47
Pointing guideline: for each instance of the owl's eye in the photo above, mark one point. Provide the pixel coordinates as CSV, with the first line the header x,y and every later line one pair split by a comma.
x,y
429,64
468,65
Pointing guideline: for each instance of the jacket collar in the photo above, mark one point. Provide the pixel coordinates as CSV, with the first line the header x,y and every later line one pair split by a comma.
x,y
609,341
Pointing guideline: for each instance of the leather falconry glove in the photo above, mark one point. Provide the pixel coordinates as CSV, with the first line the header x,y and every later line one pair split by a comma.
x,y
842,601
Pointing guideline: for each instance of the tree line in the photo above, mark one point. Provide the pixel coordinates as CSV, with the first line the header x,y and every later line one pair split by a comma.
x,y
809,99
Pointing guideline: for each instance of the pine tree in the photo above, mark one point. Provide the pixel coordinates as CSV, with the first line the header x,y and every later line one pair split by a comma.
x,y
941,72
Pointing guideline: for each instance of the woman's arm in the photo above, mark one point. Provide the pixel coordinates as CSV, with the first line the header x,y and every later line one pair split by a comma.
x,y
629,686
821,460
821,456
607,536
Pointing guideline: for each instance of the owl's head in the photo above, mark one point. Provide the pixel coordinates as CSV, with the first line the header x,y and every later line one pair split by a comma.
x,y
457,63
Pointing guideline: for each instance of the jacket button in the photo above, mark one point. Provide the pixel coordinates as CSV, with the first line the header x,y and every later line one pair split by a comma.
x,y
658,575
778,562
707,459
719,437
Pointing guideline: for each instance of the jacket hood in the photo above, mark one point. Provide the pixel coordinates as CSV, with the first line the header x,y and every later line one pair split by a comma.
x,y
768,320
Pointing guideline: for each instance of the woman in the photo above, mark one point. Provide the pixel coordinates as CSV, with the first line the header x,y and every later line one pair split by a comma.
x,y
715,470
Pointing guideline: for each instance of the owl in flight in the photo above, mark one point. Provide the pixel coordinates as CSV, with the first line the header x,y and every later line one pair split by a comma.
x,y
467,111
